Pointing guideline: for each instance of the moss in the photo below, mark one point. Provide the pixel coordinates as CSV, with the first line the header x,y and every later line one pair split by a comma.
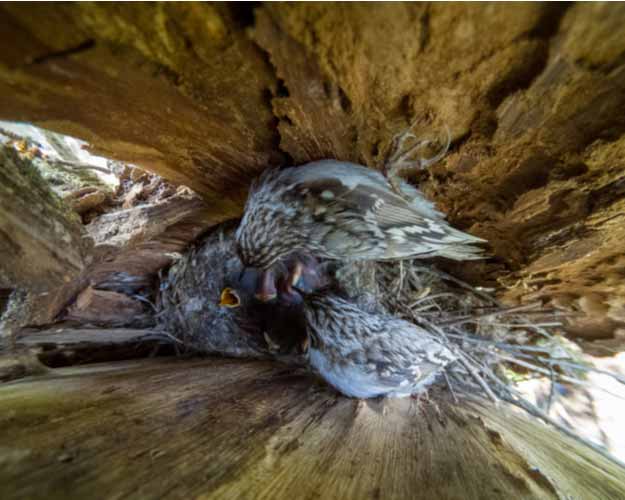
x,y
64,180
33,187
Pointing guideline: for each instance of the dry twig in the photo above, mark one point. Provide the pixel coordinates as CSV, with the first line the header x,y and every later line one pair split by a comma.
x,y
463,322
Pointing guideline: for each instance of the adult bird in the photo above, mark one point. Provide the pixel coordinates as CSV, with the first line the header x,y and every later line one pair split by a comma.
x,y
364,354
342,211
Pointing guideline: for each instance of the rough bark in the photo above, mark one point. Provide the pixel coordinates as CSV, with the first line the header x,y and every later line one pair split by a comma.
x,y
133,244
235,429
41,238
50,257
42,242
177,89
106,307
66,345
209,95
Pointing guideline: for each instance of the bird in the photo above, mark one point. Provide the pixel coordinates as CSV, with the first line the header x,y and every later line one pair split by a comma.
x,y
285,283
337,210
366,354
281,319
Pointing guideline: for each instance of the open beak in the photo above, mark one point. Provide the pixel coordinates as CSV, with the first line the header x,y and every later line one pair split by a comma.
x,y
229,298
267,289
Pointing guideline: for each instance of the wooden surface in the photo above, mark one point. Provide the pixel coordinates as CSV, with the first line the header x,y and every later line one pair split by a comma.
x,y
66,345
42,242
219,428
211,94
133,244
43,246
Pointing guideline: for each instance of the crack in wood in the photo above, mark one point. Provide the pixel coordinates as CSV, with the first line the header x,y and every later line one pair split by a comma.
x,y
61,54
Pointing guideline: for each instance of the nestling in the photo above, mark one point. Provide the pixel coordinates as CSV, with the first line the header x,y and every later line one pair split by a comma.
x,y
342,211
281,319
284,282
365,355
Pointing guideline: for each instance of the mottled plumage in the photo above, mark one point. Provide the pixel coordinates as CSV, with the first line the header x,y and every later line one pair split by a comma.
x,y
364,354
296,275
280,321
342,211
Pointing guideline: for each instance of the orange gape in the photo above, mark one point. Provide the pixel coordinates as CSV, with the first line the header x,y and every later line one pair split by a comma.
x,y
229,298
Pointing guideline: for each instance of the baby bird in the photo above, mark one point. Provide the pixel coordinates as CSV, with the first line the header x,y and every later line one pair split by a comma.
x,y
338,210
365,355
285,282
280,319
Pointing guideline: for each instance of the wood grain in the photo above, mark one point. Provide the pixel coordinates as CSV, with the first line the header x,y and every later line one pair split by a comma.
x,y
219,428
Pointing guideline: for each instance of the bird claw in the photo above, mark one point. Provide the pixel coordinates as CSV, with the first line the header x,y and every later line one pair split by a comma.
x,y
399,160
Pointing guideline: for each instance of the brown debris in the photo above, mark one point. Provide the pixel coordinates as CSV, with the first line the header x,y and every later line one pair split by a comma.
x,y
86,199
105,308
133,196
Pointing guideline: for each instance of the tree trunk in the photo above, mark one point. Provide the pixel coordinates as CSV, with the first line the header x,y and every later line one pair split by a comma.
x,y
223,428
41,238
208,96
42,242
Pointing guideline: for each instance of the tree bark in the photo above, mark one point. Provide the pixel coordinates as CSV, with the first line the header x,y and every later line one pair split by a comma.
x,y
208,96
234,429
42,242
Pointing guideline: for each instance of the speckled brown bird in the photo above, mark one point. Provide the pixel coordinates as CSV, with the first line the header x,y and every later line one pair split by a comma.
x,y
364,354
338,210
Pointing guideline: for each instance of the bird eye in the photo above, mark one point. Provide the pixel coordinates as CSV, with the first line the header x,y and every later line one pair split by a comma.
x,y
229,298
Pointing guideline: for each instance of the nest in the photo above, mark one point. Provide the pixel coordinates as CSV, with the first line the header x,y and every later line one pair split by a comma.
x,y
496,346
188,307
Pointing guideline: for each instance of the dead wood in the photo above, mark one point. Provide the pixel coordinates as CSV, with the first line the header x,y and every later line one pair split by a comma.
x,y
235,429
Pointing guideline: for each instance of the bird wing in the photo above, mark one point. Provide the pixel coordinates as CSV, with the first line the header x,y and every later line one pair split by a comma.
x,y
360,216
354,176
407,355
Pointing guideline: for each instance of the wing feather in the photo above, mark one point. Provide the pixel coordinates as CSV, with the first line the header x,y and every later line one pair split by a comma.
x,y
363,216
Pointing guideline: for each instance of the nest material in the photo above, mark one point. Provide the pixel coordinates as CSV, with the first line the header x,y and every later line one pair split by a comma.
x,y
497,346
189,302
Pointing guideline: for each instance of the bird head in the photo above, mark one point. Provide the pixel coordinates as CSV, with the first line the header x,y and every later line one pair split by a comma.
x,y
252,286
240,288
285,283
273,223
